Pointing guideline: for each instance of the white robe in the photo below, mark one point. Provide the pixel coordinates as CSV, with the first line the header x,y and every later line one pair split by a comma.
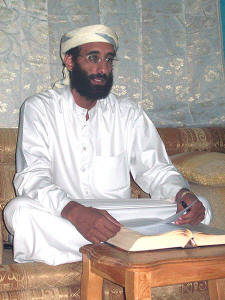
x,y
62,157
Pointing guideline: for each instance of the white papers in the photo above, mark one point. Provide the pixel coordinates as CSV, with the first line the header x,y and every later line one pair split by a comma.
x,y
126,203
155,226
148,226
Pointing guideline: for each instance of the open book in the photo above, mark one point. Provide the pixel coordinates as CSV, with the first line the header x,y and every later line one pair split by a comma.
x,y
137,235
148,233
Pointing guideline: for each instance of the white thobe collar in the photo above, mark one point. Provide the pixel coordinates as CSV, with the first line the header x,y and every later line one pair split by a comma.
x,y
74,107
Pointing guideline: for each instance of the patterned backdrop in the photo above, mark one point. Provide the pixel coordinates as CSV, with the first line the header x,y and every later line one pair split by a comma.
x,y
170,55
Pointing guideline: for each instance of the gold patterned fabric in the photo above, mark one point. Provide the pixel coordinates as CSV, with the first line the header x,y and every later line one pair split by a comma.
x,y
62,293
1,244
112,291
180,140
186,291
206,168
136,191
8,138
16,277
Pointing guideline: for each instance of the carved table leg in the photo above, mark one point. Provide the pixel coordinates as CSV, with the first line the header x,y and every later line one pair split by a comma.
x,y
216,289
91,283
138,285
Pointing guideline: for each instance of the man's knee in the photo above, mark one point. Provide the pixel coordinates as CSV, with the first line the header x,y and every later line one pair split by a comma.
x,y
13,210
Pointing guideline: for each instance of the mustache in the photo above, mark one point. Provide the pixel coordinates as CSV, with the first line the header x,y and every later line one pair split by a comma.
x,y
98,76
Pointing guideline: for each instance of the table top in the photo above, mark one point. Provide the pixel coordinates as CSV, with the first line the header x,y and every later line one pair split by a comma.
x,y
107,254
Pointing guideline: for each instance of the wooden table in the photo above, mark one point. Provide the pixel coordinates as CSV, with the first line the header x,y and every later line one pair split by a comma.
x,y
138,272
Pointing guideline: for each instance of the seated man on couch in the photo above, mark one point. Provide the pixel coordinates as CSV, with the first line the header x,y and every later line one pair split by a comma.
x,y
78,143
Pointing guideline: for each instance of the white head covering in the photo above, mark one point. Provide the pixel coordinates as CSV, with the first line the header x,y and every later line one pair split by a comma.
x,y
84,35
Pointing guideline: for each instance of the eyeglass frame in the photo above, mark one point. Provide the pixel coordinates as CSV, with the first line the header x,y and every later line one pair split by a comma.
x,y
100,59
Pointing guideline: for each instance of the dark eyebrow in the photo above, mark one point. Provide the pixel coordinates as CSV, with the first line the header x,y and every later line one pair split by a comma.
x,y
93,52
97,52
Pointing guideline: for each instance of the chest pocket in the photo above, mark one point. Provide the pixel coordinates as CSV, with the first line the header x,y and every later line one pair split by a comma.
x,y
110,174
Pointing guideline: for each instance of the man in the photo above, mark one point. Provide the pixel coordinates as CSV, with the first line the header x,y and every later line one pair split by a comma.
x,y
78,144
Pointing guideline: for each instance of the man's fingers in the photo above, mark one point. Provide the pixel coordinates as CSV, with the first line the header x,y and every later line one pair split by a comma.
x,y
106,228
194,217
96,236
190,220
110,218
198,219
102,226
94,224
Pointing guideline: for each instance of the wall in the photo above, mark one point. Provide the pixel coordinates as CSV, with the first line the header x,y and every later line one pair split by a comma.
x,y
170,54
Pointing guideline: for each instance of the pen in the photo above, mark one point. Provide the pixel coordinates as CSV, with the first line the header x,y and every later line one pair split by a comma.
x,y
184,204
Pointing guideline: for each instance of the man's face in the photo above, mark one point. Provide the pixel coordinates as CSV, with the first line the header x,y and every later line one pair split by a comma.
x,y
92,74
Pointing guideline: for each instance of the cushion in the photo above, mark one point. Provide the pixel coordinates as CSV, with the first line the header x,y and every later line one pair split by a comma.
x,y
7,172
206,168
216,196
136,191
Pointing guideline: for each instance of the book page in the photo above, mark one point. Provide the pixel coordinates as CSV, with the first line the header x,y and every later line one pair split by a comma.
x,y
130,240
155,226
205,235
150,226
207,229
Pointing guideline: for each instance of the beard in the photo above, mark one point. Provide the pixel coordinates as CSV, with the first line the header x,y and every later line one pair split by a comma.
x,y
81,81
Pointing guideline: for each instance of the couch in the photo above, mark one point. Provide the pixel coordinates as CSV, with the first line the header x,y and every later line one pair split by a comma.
x,y
198,153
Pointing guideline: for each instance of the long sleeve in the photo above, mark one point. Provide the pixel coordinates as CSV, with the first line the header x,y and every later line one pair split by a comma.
x,y
34,173
150,165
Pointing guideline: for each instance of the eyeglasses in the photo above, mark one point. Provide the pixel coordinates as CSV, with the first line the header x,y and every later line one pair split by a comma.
x,y
95,59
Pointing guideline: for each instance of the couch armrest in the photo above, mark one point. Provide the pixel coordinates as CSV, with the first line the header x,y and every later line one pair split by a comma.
x,y
8,137
1,243
180,140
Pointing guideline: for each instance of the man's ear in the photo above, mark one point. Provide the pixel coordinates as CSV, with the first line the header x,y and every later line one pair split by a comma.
x,y
68,61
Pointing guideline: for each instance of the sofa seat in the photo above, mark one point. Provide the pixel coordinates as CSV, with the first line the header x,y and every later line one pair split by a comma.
x,y
40,281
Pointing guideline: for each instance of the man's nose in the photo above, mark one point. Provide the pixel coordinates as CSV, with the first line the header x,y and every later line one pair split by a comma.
x,y
103,67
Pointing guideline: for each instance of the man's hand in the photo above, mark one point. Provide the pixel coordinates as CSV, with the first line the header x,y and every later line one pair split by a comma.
x,y
96,225
197,211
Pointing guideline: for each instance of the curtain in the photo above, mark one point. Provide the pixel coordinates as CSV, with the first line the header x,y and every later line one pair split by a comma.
x,y
170,54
